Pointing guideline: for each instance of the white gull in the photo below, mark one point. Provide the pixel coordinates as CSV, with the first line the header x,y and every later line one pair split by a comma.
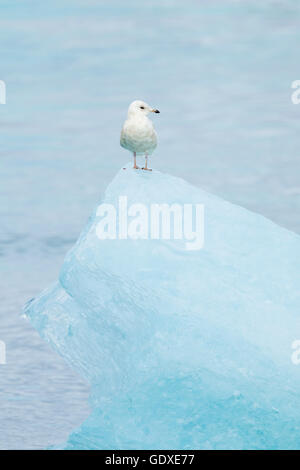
x,y
138,134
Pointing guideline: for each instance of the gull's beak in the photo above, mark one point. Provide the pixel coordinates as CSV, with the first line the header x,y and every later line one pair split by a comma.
x,y
155,111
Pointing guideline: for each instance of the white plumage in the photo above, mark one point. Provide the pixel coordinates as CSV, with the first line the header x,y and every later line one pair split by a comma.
x,y
138,134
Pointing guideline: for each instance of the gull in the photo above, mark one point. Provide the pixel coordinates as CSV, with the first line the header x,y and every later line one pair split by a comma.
x,y
138,134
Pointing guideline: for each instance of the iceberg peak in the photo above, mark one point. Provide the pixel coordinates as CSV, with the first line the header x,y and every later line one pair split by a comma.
x,y
183,348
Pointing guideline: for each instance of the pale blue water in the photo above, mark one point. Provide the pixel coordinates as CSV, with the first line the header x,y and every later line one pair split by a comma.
x,y
219,71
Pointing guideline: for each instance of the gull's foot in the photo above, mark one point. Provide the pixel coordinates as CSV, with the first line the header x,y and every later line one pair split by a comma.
x,y
136,167
147,169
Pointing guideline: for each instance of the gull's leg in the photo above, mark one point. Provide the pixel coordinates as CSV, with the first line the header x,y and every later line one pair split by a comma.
x,y
146,163
134,159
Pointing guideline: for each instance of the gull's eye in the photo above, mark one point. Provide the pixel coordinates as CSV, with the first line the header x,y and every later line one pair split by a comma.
x,y
142,107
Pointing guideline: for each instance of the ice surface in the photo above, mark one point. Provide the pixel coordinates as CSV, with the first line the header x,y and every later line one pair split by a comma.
x,y
183,349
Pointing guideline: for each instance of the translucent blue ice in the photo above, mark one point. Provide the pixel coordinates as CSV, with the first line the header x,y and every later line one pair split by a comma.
x,y
183,349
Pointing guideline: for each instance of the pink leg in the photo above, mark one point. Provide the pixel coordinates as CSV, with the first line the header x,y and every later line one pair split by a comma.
x,y
146,164
134,159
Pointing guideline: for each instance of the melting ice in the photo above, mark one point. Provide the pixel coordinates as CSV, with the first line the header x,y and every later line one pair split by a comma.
x,y
183,349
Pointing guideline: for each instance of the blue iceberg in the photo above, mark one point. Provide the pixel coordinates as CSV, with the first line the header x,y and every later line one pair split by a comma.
x,y
183,348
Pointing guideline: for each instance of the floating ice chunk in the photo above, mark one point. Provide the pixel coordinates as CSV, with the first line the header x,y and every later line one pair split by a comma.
x,y
184,349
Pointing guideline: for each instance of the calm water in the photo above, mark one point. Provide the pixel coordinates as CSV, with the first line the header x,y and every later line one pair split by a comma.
x,y
219,71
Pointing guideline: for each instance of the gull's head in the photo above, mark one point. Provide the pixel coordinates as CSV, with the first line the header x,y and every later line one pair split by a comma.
x,y
140,108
